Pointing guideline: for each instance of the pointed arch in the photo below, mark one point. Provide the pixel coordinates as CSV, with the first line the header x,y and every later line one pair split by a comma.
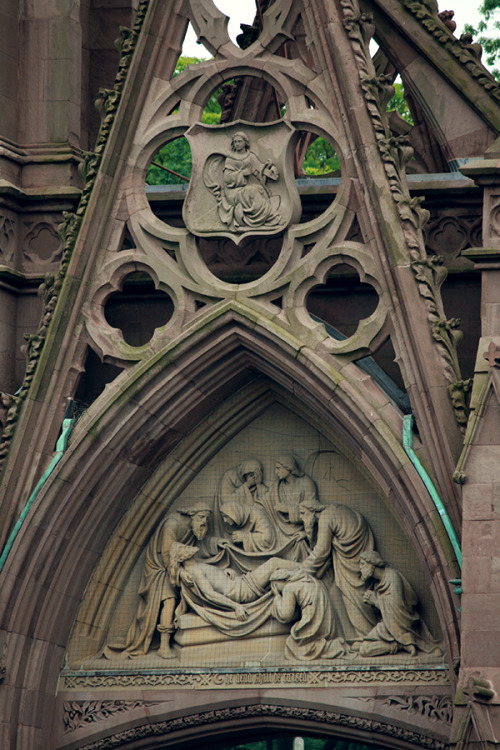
x,y
218,721
136,423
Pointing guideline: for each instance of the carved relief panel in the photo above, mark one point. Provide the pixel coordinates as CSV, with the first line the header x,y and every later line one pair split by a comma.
x,y
241,183
30,243
277,553
8,236
41,244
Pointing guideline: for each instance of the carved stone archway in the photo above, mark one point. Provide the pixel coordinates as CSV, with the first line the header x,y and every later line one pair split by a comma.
x,y
55,553
245,722
249,343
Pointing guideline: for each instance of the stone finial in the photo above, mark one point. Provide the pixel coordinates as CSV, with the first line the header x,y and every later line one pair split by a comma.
x,y
479,689
492,356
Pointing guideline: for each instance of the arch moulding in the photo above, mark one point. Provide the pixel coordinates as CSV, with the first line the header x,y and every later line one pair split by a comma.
x,y
141,419
226,722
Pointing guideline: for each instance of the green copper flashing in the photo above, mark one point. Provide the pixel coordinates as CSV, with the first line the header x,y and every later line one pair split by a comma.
x,y
62,442
408,446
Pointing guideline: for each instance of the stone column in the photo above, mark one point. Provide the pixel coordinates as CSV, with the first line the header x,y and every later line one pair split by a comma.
x,y
477,715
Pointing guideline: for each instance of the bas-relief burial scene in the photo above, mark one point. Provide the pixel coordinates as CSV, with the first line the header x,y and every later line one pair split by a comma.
x,y
279,552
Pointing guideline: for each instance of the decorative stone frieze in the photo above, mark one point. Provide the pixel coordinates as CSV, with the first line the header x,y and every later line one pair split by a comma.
x,y
78,713
176,679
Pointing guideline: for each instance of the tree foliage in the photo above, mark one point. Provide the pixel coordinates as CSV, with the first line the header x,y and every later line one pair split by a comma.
x,y
176,155
320,159
399,103
487,33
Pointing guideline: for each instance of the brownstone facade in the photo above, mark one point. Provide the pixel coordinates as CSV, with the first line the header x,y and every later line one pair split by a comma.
x,y
297,376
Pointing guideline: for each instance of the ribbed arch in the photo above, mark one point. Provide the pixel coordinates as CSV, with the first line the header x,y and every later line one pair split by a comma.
x,y
222,721
135,425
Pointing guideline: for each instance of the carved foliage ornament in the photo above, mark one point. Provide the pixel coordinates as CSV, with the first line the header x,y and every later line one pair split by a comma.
x,y
78,713
244,679
465,52
395,152
69,228
435,707
492,356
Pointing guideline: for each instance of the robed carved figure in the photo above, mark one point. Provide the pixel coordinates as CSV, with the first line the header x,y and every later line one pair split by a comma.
x,y
158,592
242,181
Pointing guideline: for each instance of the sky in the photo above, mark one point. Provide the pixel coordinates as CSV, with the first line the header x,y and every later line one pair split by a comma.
x,y
243,11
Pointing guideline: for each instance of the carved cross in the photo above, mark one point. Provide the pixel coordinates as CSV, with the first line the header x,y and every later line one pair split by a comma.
x,y
493,355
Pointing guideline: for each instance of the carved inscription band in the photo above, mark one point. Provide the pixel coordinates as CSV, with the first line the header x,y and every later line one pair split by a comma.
x,y
210,680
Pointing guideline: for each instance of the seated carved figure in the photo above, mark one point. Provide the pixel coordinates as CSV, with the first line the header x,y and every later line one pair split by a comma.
x,y
312,636
238,181
253,527
401,627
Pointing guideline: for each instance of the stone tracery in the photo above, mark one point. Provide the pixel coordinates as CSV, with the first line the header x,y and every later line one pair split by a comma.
x,y
171,257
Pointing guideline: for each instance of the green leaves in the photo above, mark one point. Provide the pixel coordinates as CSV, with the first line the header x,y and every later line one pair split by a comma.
x,y
398,102
176,155
487,34
321,158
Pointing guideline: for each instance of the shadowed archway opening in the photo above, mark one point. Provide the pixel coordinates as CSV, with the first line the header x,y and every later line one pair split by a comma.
x,y
280,740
